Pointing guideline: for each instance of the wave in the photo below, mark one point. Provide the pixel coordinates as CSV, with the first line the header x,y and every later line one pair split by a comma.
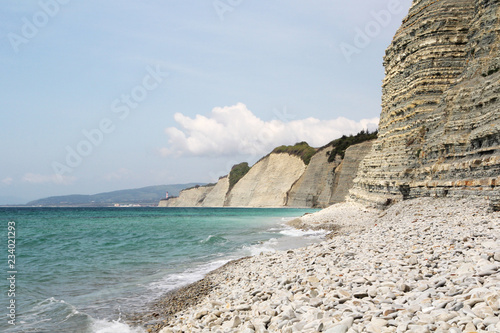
x,y
262,247
292,232
213,239
177,280
114,326
53,314
44,315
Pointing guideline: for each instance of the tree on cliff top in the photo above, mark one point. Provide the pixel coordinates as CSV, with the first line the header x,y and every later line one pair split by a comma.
x,y
237,172
340,145
300,149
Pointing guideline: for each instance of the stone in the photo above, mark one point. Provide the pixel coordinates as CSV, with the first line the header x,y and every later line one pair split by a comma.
x,y
166,330
491,320
341,327
244,307
469,328
487,270
404,287
200,314
413,260
482,310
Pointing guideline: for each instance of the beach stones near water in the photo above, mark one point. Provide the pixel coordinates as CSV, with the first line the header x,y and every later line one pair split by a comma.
x,y
389,273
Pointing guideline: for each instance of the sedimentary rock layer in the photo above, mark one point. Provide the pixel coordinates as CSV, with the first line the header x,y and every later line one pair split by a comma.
x,y
439,131
344,174
217,195
267,182
279,180
314,187
192,197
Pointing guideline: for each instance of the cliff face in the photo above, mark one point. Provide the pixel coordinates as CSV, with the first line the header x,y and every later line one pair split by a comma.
x,y
217,195
192,197
267,182
439,131
314,187
325,183
344,174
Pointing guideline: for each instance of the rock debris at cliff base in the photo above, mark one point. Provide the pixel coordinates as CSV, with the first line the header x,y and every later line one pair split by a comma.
x,y
423,265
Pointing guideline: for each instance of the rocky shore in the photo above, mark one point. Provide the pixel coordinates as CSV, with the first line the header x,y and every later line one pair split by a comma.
x,y
423,265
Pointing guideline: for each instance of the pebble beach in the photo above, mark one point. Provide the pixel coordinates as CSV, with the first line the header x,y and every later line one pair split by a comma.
x,y
422,265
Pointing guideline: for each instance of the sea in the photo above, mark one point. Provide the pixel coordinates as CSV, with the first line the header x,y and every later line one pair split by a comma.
x,y
84,269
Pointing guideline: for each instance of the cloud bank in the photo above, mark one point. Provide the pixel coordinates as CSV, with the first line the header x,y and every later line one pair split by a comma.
x,y
34,178
236,130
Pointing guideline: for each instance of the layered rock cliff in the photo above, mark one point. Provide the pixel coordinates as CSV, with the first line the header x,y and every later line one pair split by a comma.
x,y
325,183
192,197
265,185
283,179
344,174
217,196
314,187
267,182
439,131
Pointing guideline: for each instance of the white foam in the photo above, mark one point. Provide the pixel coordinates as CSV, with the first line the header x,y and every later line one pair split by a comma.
x,y
303,233
176,280
114,326
267,246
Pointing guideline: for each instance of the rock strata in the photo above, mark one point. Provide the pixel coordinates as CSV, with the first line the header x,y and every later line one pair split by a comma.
x,y
344,174
423,265
314,187
193,197
267,182
439,131
280,180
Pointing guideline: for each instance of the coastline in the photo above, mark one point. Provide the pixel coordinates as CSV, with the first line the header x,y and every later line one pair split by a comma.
x,y
180,299
421,265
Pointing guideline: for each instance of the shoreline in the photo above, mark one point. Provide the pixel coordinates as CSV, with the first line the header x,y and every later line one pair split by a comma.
x,y
179,299
412,267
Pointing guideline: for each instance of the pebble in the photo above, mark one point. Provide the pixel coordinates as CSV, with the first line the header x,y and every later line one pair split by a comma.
x,y
424,265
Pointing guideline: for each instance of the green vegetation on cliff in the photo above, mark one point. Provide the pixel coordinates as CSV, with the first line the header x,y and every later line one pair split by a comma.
x,y
300,149
237,172
340,145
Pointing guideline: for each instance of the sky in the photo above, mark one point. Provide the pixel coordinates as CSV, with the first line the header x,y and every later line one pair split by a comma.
x,y
99,96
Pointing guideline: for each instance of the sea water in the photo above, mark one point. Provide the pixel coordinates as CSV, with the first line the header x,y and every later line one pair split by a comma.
x,y
83,269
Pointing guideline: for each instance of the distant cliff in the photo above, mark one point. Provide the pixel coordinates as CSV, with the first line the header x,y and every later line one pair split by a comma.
x,y
439,131
293,176
192,197
267,182
327,180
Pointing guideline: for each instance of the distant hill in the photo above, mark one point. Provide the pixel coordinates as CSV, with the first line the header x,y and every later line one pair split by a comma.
x,y
145,196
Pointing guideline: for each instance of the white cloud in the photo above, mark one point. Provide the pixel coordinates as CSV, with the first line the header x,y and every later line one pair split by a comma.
x,y
7,181
121,173
236,130
34,178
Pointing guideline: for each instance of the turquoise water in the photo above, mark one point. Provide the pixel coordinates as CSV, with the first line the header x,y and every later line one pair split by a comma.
x,y
82,269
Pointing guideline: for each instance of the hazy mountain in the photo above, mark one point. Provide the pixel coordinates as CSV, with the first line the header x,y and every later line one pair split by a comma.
x,y
144,195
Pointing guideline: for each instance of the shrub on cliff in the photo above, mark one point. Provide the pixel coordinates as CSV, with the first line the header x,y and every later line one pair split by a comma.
x,y
341,145
300,149
237,172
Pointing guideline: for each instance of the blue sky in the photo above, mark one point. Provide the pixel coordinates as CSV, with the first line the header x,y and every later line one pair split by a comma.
x,y
106,95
